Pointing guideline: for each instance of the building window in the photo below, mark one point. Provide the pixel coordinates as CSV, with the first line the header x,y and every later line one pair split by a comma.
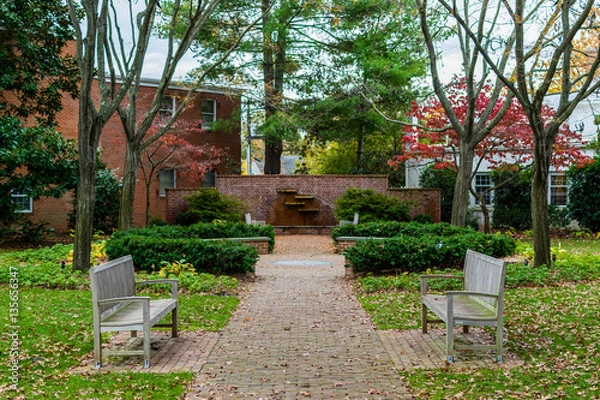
x,y
168,105
23,203
482,183
209,113
559,190
210,179
166,180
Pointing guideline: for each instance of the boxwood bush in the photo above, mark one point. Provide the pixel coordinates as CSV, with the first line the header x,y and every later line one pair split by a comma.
x,y
208,204
370,205
412,247
393,228
211,256
221,230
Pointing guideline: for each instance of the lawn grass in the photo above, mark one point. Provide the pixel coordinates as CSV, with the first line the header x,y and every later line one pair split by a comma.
x,y
54,329
554,330
552,323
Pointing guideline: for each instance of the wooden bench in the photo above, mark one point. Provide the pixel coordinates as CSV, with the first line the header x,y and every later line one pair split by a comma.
x,y
117,308
480,303
347,222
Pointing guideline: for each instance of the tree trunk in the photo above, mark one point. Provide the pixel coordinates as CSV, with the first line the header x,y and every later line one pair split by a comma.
x,y
273,75
273,150
86,196
132,161
486,215
360,151
460,202
539,202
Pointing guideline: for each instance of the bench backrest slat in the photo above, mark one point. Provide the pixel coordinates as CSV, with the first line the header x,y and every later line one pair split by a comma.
x,y
115,278
484,274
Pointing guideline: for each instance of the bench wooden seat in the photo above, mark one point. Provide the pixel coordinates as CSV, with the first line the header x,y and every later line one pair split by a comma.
x,y
118,308
480,303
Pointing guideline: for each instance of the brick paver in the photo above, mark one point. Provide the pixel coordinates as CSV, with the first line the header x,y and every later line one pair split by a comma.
x,y
188,352
299,333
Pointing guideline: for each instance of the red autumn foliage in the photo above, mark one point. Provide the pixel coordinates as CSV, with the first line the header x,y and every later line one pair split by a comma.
x,y
510,142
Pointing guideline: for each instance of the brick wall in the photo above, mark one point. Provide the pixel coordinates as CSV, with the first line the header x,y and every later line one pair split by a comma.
x,y
261,191
175,202
422,201
261,194
54,211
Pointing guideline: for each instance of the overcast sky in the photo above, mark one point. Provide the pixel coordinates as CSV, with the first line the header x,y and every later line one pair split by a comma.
x,y
155,57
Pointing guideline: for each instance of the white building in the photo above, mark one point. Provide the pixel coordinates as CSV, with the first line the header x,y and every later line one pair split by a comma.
x,y
581,120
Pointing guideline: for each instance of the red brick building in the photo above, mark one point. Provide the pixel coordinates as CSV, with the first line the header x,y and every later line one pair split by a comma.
x,y
208,105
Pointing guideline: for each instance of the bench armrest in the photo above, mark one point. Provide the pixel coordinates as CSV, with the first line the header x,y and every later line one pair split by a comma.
x,y
424,279
172,282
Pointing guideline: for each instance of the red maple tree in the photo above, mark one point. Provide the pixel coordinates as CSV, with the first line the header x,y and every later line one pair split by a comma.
x,y
509,144
173,151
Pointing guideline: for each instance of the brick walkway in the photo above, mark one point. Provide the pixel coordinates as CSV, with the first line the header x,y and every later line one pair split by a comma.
x,y
300,333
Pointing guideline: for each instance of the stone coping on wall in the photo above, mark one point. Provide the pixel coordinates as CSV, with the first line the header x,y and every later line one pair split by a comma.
x,y
303,230
261,243
300,176
343,242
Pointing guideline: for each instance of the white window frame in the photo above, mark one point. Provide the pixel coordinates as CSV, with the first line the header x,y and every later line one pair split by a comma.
x,y
553,194
20,198
167,112
207,124
162,183
477,185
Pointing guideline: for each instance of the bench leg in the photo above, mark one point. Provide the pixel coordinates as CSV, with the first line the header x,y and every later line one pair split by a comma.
x,y
450,340
174,322
147,352
98,349
133,333
465,329
423,318
499,342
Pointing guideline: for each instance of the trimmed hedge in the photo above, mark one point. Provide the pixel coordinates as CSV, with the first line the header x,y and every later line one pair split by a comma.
x,y
211,256
392,229
419,247
204,231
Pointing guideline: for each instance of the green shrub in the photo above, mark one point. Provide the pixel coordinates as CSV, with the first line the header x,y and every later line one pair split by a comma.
x,y
559,217
404,253
212,256
443,179
370,205
107,199
423,219
512,201
391,229
208,205
416,248
584,195
33,232
219,230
